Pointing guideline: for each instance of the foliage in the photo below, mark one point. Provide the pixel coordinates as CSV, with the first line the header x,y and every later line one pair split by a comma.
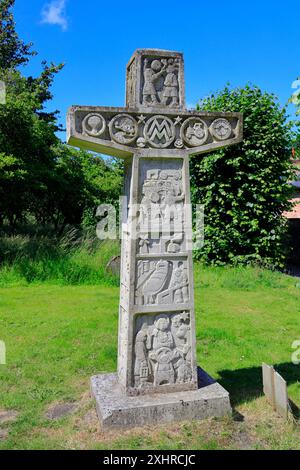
x,y
39,176
13,51
244,188
77,184
295,99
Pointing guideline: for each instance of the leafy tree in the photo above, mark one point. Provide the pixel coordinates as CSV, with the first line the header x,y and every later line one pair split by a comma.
x,y
77,184
28,137
244,188
295,99
13,51
27,132
39,176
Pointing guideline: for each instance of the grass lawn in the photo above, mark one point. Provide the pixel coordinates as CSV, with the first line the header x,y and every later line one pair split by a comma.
x,y
58,336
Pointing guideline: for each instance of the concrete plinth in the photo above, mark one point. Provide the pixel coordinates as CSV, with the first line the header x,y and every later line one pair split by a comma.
x,y
116,410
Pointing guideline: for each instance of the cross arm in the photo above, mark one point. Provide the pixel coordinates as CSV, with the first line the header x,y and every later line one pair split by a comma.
x,y
121,132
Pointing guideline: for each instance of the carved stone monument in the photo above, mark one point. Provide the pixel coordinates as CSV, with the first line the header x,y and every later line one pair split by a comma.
x,y
157,380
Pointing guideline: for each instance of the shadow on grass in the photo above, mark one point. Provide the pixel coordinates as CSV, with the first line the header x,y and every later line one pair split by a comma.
x,y
246,384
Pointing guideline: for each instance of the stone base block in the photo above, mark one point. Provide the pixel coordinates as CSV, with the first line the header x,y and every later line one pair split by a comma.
x,y
116,410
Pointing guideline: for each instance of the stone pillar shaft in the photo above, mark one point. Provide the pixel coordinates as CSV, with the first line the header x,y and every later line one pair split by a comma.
x,y
156,279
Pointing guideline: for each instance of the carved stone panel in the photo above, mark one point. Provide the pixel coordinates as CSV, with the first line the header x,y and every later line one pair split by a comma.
x,y
155,79
160,82
161,209
162,350
189,132
162,282
93,125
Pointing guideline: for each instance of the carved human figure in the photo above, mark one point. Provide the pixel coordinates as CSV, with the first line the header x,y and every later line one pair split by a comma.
x,y
151,74
141,366
180,280
149,209
162,352
144,244
181,335
175,324
170,92
172,204
184,370
175,243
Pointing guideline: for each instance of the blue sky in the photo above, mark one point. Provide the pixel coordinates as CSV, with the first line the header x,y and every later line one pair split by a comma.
x,y
235,41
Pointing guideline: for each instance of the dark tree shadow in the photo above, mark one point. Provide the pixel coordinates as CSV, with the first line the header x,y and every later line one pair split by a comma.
x,y
246,384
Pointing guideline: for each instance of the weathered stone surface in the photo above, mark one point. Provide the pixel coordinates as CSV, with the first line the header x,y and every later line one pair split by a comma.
x,y
155,80
114,265
275,389
61,410
122,132
155,134
116,410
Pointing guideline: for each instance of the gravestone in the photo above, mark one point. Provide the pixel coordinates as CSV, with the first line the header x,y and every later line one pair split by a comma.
x,y
158,379
275,389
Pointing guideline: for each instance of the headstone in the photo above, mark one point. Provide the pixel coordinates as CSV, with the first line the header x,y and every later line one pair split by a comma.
x,y
275,389
157,379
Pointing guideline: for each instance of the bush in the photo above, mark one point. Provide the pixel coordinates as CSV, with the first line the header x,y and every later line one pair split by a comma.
x,y
244,188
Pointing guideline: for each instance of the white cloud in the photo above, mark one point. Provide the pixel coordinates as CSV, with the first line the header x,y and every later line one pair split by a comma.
x,y
55,13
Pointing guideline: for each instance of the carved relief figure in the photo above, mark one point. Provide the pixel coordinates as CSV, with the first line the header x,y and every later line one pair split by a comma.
x,y
93,125
144,244
151,74
123,129
170,92
161,282
155,282
194,131
161,92
141,366
162,211
163,350
180,282
221,129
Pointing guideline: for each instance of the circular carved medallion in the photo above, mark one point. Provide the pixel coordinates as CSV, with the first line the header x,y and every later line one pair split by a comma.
x,y
141,142
93,125
123,129
178,144
159,131
221,129
194,132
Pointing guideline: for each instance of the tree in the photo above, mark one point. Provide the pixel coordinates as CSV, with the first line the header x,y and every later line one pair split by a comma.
x,y
77,184
244,188
27,134
39,176
295,99
13,51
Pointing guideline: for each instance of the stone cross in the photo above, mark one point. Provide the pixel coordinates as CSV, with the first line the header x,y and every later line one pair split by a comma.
x,y
155,135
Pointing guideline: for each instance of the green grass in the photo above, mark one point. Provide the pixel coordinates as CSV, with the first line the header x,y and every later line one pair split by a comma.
x,y
72,259
57,336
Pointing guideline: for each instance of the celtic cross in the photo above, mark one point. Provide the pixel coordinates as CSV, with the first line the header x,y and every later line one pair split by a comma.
x,y
155,135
